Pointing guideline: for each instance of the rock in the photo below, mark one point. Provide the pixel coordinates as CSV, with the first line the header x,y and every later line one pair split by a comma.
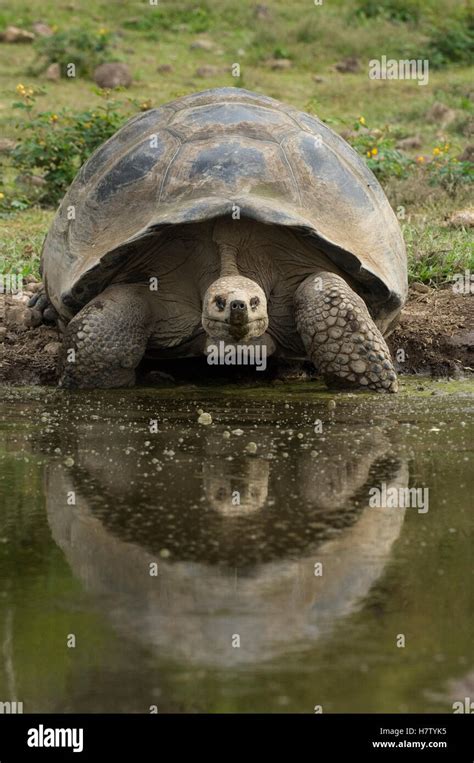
x,y
205,419
165,69
42,30
468,154
52,348
114,74
440,114
207,71
15,34
7,145
31,180
462,339
53,72
251,447
422,288
280,64
17,317
348,65
406,143
202,44
262,12
464,218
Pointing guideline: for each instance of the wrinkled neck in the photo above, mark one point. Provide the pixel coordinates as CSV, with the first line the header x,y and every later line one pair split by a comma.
x,y
228,258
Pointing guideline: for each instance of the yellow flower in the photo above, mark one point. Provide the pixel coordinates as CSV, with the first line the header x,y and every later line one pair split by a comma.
x,y
103,31
54,117
2,196
436,151
362,120
420,159
374,151
87,125
447,146
368,154
20,88
145,105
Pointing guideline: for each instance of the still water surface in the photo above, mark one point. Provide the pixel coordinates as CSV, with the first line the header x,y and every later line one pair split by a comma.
x,y
235,566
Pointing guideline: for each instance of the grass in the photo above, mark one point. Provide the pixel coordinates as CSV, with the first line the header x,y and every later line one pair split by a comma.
x,y
313,37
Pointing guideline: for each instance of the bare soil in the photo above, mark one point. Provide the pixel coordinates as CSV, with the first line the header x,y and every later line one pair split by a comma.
x,y
436,334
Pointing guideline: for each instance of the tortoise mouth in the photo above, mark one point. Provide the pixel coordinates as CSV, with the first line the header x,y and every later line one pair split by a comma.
x,y
222,328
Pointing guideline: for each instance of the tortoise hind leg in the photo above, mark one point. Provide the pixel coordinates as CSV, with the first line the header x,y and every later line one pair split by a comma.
x,y
105,341
340,337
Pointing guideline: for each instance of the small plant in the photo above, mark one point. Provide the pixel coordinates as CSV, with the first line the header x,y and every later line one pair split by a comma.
x,y
378,148
10,204
452,42
445,170
81,47
195,20
396,10
55,145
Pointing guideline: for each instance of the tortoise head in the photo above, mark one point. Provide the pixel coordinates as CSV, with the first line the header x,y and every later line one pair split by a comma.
x,y
234,309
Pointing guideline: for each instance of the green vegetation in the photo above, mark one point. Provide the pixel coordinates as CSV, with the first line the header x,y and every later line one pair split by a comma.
x,y
57,125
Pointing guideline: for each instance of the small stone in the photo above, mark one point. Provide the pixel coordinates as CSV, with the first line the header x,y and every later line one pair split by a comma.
x,y
407,143
251,447
15,34
331,404
226,434
280,64
205,419
238,432
464,218
42,30
207,71
69,461
113,75
53,72
53,348
348,65
202,44
7,145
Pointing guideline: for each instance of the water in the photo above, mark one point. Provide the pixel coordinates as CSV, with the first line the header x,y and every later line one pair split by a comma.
x,y
238,616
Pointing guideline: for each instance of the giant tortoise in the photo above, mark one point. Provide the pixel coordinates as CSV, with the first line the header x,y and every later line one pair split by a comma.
x,y
225,218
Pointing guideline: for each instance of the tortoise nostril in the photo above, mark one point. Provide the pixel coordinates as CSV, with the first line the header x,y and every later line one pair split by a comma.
x,y
238,305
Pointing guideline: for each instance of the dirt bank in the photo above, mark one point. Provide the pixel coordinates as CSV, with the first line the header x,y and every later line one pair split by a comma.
x,y
436,334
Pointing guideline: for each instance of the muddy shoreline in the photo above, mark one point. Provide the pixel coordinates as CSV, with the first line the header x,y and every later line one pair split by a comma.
x,y
435,337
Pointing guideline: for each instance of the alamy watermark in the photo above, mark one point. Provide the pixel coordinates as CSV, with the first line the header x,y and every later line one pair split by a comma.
x,y
11,283
237,355
383,68
384,497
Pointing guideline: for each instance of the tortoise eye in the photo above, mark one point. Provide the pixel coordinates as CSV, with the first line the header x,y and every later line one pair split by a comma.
x,y
254,302
220,302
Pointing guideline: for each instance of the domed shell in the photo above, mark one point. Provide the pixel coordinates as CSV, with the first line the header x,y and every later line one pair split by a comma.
x,y
197,157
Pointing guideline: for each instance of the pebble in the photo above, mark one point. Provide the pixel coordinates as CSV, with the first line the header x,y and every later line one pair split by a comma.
x,y
205,419
251,447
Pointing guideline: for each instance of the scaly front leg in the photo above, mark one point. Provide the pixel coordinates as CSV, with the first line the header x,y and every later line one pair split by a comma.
x,y
340,337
